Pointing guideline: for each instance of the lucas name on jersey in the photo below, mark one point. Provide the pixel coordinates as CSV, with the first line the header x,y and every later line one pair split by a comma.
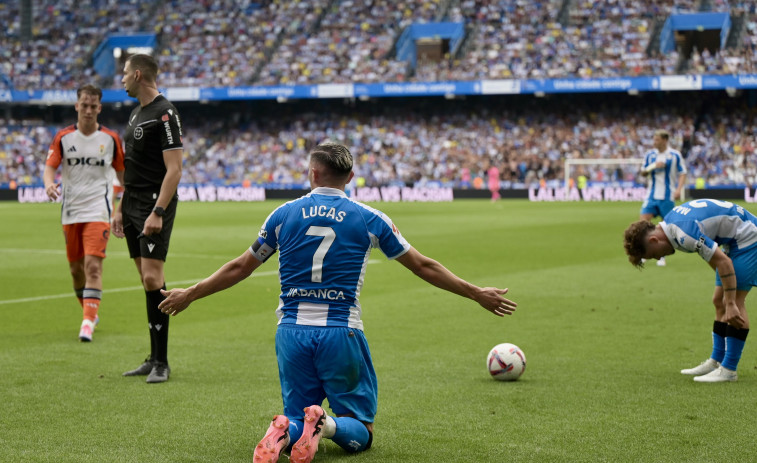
x,y
323,211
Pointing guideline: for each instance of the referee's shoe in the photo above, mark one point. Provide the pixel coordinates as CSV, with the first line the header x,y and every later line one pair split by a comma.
x,y
142,370
160,372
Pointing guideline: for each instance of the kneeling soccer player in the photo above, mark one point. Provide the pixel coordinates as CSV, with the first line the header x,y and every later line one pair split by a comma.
x,y
324,239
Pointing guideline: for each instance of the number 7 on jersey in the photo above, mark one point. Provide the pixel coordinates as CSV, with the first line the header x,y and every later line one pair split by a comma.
x,y
329,236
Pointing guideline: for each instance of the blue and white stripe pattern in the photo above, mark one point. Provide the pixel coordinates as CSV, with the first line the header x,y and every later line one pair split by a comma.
x,y
662,182
704,224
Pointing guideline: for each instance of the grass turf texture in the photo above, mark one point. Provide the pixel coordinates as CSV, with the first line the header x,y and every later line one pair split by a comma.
x,y
604,343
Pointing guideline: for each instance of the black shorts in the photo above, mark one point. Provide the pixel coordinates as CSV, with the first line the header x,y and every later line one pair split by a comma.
x,y
136,207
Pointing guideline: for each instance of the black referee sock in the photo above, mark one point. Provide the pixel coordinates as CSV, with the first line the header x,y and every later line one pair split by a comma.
x,y
150,322
158,326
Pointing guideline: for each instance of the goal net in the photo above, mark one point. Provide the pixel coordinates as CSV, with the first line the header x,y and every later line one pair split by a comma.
x,y
628,167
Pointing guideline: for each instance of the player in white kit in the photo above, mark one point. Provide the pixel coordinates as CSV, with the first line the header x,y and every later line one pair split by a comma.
x,y
91,157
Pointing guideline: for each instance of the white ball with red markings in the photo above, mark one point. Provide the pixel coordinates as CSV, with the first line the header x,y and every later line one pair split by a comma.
x,y
506,362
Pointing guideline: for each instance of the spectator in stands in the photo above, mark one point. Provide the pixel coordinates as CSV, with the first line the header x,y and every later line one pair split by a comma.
x,y
402,147
228,43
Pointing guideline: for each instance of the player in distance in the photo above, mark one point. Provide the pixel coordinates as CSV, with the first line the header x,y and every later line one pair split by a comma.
x,y
663,165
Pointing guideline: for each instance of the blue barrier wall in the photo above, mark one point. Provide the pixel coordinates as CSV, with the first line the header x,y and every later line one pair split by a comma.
x,y
404,89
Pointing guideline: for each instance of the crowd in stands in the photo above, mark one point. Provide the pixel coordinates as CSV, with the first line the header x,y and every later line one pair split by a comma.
x,y
352,44
215,43
222,42
278,42
64,37
525,39
450,144
23,151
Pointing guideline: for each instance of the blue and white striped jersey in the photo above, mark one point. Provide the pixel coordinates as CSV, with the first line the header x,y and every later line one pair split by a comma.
x,y
324,240
704,224
662,182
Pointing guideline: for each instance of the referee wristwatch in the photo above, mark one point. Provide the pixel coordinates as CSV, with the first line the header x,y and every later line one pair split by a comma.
x,y
159,211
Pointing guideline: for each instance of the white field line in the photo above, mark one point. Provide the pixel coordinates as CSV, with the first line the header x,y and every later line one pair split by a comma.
x,y
132,288
62,252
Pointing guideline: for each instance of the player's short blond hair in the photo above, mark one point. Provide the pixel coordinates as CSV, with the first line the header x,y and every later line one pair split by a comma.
x,y
662,134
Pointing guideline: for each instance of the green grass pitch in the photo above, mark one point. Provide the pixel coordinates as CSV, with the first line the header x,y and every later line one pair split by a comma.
x,y
604,344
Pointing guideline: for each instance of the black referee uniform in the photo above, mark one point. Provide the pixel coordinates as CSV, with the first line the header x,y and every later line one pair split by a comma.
x,y
151,130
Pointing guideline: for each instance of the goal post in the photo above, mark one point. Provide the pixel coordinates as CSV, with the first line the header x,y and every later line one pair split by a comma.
x,y
596,162
603,162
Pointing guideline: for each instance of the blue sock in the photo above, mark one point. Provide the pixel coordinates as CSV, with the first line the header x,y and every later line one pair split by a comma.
x,y
734,341
718,341
295,431
351,434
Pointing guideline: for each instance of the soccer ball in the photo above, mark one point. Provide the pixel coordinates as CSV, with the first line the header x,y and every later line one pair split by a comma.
x,y
506,362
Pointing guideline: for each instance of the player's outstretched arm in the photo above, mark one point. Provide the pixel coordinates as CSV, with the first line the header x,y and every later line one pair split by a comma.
x,y
435,273
225,277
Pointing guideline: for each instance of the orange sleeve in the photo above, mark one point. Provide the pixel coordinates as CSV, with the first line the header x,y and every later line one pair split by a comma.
x,y
54,155
118,156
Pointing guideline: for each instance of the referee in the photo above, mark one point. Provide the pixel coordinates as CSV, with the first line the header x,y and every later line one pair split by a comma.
x,y
146,213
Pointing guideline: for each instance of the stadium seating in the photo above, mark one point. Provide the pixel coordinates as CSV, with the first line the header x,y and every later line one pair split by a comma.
x,y
277,42
64,35
231,43
446,143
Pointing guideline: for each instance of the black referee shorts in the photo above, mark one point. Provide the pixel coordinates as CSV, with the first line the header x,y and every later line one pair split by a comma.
x,y
136,207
